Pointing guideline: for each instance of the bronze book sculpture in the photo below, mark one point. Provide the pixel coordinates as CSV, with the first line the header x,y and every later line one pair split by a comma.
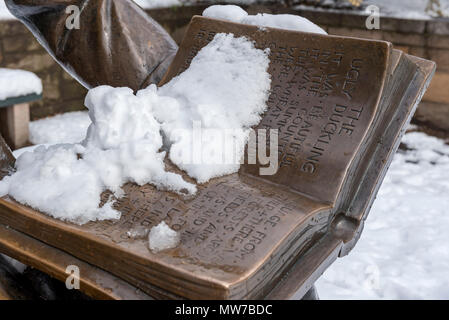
x,y
116,43
341,106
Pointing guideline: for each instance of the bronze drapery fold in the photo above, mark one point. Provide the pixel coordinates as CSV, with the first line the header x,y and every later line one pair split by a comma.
x,y
117,43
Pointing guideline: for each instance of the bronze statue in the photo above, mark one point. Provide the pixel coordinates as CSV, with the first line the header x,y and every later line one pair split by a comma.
x,y
115,42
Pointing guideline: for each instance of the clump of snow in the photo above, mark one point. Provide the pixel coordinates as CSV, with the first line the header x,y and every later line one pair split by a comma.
x,y
226,12
205,115
403,251
122,117
124,139
282,21
54,180
123,142
162,237
69,127
16,83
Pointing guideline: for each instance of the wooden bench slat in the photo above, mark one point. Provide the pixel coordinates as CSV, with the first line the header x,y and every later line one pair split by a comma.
x,y
19,100
15,118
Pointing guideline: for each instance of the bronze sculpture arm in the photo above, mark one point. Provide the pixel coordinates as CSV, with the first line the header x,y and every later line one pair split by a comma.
x,y
116,43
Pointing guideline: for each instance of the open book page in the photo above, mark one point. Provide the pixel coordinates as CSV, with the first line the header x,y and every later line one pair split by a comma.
x,y
324,98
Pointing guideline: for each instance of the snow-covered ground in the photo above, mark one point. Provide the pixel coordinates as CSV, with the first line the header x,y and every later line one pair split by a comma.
x,y
404,250
69,127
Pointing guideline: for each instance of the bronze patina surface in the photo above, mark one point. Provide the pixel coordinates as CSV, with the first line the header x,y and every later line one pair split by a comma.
x,y
116,44
340,105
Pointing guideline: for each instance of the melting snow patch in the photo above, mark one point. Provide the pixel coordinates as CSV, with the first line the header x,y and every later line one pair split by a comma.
x,y
403,251
162,238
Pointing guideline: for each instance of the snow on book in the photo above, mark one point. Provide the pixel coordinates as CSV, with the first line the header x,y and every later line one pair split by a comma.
x,y
337,108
